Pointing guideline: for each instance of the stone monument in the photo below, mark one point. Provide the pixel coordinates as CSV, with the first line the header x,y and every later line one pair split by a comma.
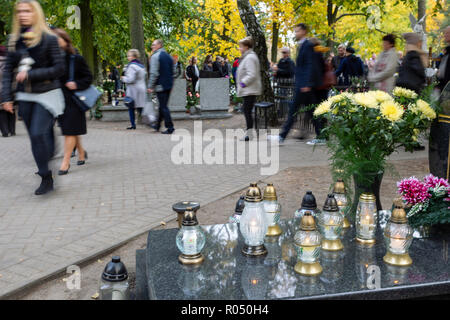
x,y
215,97
178,101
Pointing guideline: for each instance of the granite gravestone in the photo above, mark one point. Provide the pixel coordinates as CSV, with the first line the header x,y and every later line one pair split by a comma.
x,y
215,96
178,101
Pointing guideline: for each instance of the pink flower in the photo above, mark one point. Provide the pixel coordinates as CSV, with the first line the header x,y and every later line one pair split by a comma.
x,y
189,94
433,182
413,190
197,95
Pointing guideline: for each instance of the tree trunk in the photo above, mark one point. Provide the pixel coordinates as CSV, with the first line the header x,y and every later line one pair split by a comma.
x,y
275,37
421,11
87,36
137,28
253,29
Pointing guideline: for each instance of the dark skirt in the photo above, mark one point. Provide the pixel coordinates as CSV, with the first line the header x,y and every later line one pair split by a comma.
x,y
73,121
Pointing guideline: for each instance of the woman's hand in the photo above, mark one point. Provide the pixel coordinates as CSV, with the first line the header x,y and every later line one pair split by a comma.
x,y
21,76
71,85
8,107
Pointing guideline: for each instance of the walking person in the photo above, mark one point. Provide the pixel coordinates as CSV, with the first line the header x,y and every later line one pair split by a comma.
x,y
193,74
7,119
411,74
304,95
249,84
135,80
34,51
385,67
336,60
350,67
73,121
161,82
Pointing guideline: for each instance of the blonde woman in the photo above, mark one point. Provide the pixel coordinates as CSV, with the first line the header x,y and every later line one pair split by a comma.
x,y
136,85
34,52
249,84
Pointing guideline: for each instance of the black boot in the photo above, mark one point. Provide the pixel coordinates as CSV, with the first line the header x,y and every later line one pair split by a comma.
x,y
46,185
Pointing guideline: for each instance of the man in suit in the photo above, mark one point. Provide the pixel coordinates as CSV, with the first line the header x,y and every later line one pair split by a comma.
x,y
304,94
161,81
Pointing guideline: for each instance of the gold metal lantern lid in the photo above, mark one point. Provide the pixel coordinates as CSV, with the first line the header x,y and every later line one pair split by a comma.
x,y
307,223
399,213
339,187
270,194
368,197
253,193
189,218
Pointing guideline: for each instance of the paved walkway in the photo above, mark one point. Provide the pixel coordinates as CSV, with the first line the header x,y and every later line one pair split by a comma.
x,y
127,187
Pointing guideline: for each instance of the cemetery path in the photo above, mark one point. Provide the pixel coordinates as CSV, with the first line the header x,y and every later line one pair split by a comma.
x,y
127,188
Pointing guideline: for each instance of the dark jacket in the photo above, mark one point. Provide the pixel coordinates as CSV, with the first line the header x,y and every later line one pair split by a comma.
x,y
336,61
350,67
162,70
443,82
82,75
303,68
45,72
286,68
411,74
318,69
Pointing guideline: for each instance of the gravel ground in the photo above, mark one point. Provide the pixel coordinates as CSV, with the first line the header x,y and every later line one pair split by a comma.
x,y
291,185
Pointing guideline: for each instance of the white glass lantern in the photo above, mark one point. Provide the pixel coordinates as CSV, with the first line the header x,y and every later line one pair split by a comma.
x,y
273,211
366,219
308,244
330,225
253,225
398,237
341,198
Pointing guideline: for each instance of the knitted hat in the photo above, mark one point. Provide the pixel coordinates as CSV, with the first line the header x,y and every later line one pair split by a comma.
x,y
412,38
350,50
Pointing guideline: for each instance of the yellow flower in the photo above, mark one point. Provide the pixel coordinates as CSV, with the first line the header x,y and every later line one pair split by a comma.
x,y
365,99
391,110
381,96
339,97
406,93
424,108
324,107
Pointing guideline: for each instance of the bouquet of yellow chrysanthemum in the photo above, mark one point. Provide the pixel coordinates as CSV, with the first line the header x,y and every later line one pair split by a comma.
x,y
365,128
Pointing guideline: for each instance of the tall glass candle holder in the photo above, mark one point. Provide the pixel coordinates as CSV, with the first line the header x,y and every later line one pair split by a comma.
x,y
341,198
273,211
398,237
366,219
253,225
308,244
330,225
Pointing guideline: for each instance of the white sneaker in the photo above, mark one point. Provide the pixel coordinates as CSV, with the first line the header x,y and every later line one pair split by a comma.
x,y
316,142
278,139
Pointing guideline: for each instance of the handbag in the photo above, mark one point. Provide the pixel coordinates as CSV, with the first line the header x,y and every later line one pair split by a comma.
x,y
149,113
84,99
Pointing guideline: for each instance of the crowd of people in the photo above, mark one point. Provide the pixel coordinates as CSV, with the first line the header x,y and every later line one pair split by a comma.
x,y
41,71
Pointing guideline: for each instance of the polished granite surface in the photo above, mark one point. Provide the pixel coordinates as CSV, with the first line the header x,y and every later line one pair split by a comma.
x,y
355,273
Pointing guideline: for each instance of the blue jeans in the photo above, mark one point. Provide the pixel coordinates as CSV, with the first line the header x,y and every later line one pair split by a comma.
x,y
164,112
132,117
39,123
301,99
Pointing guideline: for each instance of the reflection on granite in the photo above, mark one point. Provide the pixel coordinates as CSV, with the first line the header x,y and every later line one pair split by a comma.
x,y
357,272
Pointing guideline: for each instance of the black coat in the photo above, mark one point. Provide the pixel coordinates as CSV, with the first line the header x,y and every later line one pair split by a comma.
x,y
190,73
73,121
45,72
443,82
411,74
286,68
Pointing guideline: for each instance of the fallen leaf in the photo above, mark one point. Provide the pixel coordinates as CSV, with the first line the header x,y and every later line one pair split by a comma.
x,y
99,261
163,223
95,296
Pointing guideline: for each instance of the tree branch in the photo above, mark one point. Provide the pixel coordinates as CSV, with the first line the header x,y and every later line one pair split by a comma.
x,y
349,14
